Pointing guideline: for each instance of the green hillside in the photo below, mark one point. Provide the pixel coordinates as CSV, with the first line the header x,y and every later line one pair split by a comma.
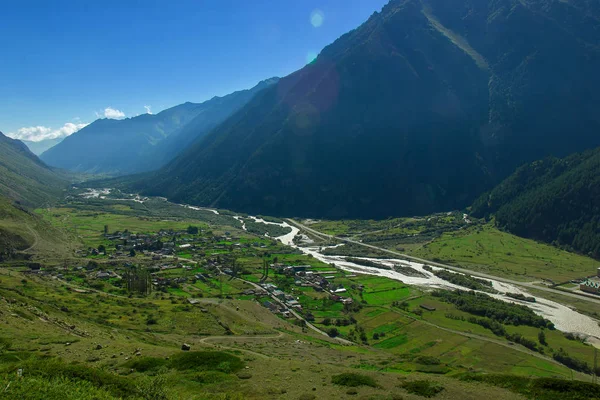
x,y
24,234
553,200
24,178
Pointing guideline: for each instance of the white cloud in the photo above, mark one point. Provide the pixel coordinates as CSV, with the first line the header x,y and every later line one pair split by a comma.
x,y
39,133
111,113
148,109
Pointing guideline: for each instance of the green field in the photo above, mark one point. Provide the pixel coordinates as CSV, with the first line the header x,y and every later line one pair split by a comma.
x,y
88,226
486,249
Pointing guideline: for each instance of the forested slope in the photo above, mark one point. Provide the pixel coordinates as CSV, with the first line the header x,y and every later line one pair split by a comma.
x,y
553,200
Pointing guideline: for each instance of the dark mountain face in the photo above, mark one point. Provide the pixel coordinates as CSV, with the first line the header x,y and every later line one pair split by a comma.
x,y
145,142
553,200
24,178
420,109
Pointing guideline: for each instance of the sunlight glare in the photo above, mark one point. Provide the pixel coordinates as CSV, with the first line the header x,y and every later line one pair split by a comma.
x,y
316,18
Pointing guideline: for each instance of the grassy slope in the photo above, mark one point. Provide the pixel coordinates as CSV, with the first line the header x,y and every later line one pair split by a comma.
x,y
286,366
490,250
21,230
478,246
24,177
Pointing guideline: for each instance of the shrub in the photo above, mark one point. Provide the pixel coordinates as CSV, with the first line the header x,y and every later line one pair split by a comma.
x,y
333,332
145,364
210,377
353,380
206,361
540,388
152,389
54,370
427,360
423,388
57,388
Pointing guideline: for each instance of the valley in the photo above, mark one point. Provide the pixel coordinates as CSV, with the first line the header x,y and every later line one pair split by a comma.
x,y
265,290
407,209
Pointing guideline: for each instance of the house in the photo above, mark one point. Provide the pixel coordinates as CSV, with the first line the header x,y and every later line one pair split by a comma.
x,y
271,306
591,285
103,275
294,304
300,268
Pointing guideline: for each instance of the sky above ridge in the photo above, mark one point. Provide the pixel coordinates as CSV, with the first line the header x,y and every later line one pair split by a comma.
x,y
67,63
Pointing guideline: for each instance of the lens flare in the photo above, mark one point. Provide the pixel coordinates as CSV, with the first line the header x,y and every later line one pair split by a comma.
x,y
317,18
311,57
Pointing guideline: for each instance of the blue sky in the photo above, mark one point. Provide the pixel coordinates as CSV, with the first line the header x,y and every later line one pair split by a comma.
x,y
67,62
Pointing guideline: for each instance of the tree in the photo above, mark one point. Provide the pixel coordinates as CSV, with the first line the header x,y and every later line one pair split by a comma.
x,y
542,338
102,249
192,230
138,280
132,253
333,332
106,229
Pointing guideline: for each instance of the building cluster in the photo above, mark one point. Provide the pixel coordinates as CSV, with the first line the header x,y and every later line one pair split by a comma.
x,y
321,281
591,284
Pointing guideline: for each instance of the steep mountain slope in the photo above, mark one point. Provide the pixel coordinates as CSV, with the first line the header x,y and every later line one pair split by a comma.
x,y
214,112
116,147
420,109
24,178
38,148
553,200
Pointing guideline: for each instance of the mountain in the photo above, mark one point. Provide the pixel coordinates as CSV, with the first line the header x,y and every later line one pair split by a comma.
x,y
214,112
145,142
552,200
24,178
420,109
38,148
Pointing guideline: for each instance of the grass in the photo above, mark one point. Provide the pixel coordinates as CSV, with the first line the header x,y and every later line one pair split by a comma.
x,y
88,226
392,342
423,388
541,388
353,380
273,349
486,249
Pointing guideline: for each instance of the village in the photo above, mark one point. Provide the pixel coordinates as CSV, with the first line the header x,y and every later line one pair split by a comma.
x,y
194,263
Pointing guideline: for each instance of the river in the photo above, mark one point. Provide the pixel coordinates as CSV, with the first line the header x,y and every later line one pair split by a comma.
x,y
564,318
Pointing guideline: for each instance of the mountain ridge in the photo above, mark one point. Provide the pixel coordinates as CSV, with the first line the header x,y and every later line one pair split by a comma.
x,y
130,145
24,177
399,116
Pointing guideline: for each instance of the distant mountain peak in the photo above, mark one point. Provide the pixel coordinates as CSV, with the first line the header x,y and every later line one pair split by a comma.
x,y
130,145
